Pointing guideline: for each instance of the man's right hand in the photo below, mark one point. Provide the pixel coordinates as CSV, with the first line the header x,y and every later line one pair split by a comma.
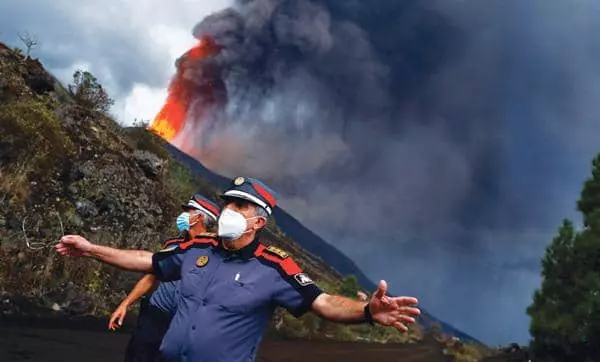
x,y
74,245
116,319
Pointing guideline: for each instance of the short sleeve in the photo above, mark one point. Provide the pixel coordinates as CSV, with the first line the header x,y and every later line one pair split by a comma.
x,y
166,263
296,293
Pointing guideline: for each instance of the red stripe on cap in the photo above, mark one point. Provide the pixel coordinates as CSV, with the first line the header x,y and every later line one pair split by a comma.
x,y
187,244
288,265
264,194
208,206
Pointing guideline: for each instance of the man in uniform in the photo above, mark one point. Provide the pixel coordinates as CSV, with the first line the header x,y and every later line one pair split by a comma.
x,y
199,216
231,285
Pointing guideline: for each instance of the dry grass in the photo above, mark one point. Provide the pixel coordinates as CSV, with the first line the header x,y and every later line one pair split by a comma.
x,y
14,183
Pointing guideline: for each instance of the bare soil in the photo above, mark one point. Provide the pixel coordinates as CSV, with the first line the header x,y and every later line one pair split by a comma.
x,y
52,343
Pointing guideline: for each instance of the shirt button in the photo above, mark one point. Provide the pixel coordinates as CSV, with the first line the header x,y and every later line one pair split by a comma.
x,y
194,327
203,301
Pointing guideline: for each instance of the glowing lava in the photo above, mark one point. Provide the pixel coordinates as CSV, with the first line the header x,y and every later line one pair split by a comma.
x,y
171,119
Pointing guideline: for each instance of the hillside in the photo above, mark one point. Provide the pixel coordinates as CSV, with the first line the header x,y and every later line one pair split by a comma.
x,y
67,167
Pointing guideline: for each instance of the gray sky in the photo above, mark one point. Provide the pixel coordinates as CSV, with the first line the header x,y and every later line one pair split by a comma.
x,y
130,45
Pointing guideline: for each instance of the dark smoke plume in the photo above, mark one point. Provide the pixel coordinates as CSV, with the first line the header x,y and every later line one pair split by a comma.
x,y
438,143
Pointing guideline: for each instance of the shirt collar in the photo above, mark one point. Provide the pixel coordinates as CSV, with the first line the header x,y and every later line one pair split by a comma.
x,y
246,252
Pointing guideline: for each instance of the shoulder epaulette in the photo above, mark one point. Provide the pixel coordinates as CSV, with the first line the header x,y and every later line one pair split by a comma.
x,y
172,241
199,241
205,235
278,259
279,252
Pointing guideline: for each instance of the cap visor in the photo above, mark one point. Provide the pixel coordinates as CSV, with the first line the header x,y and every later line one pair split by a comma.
x,y
242,196
230,197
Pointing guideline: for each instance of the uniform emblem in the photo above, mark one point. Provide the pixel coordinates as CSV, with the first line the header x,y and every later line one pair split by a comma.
x,y
239,181
202,261
275,250
303,279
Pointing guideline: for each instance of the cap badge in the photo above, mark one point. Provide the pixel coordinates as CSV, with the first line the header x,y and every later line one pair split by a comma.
x,y
239,181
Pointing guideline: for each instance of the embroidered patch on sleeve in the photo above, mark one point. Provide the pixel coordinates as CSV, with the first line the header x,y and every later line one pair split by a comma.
x,y
303,279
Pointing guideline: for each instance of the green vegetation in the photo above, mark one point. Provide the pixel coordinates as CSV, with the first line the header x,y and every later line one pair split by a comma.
x,y
27,122
89,93
349,287
464,352
139,138
565,313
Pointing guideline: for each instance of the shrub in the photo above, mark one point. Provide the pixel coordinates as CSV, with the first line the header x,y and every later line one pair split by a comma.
x,y
89,93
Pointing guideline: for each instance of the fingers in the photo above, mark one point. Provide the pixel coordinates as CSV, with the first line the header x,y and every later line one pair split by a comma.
x,y
111,322
62,250
399,326
406,319
381,290
116,320
411,311
401,323
122,318
398,316
402,301
72,245
66,250
69,239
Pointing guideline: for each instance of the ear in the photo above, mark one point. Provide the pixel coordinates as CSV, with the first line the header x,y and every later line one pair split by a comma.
x,y
260,223
197,218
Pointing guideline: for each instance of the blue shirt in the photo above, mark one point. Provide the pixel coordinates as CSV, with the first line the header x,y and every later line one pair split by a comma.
x,y
227,298
166,295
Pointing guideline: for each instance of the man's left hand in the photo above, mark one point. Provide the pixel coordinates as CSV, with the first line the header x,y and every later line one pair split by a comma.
x,y
394,312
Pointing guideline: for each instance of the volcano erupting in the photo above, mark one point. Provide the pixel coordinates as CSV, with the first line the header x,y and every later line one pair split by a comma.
x,y
196,89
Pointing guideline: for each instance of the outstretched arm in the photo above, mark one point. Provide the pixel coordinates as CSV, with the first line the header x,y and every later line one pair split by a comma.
x,y
133,260
143,286
339,309
387,311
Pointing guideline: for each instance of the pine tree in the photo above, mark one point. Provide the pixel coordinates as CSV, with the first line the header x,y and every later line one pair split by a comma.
x,y
565,313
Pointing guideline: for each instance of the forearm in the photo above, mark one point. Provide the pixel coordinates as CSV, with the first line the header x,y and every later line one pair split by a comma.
x,y
132,260
142,287
339,309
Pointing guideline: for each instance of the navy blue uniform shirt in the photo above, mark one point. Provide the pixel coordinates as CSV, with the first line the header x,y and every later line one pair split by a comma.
x,y
165,296
227,298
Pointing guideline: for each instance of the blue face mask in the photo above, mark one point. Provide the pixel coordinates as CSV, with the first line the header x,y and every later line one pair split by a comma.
x,y
183,221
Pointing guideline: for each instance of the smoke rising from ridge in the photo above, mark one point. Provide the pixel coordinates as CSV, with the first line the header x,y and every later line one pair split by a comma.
x,y
438,143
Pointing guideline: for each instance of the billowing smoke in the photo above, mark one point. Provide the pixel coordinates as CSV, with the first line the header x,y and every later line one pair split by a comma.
x,y
438,143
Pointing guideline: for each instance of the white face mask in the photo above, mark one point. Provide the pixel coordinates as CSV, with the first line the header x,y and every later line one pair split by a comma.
x,y
232,224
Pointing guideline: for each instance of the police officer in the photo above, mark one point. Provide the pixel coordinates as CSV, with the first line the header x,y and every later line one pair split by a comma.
x,y
199,215
231,285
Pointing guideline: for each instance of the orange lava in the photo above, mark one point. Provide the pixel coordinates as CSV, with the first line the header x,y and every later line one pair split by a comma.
x,y
170,120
